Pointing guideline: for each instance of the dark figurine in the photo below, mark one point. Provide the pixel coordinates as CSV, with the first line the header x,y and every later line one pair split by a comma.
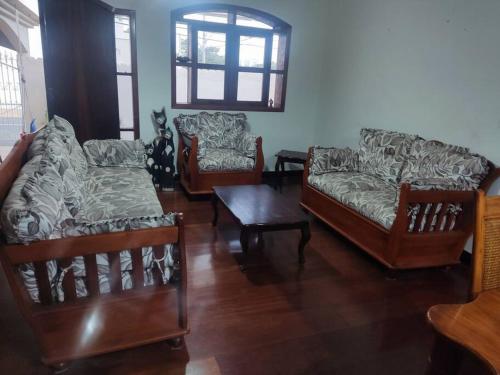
x,y
160,153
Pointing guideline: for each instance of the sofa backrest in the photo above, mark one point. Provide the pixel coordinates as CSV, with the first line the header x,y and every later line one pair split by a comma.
x,y
382,153
214,130
430,159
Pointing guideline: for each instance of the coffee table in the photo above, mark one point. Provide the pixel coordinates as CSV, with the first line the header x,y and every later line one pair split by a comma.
x,y
258,209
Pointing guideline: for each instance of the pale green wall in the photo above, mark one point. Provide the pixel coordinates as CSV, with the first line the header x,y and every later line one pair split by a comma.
x,y
430,67
293,129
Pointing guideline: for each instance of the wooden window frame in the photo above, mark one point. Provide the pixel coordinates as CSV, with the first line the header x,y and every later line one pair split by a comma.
x,y
133,73
231,66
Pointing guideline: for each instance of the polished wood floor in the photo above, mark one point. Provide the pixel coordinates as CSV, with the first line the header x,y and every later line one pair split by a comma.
x,y
337,315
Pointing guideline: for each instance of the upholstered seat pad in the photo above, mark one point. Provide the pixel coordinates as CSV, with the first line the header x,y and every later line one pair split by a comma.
x,y
218,159
115,192
368,195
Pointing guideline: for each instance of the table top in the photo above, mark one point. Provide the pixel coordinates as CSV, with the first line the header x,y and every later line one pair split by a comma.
x,y
475,325
288,154
259,205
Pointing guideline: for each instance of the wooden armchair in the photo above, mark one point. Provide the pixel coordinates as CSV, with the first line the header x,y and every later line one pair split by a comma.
x,y
474,326
196,146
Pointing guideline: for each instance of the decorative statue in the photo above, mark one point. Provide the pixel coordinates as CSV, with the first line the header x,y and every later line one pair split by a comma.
x,y
160,153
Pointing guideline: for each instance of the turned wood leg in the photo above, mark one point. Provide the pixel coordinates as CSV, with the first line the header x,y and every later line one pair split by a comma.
x,y
445,358
176,343
276,173
282,163
216,209
304,239
244,247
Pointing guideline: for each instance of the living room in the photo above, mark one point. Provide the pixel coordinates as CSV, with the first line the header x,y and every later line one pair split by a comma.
x,y
308,186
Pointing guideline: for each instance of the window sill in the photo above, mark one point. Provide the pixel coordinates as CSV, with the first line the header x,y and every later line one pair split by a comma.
x,y
216,107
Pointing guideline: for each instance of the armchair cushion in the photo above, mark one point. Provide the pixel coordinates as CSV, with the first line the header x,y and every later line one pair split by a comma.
x,y
382,153
115,153
65,131
246,143
220,130
325,160
435,160
225,160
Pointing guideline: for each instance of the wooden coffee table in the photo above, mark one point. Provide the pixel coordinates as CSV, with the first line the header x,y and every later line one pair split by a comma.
x,y
258,209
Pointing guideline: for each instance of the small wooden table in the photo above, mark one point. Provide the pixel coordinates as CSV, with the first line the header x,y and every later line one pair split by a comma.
x,y
286,156
258,209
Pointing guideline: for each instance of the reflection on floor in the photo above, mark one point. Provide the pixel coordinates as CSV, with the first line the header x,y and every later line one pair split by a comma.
x,y
339,315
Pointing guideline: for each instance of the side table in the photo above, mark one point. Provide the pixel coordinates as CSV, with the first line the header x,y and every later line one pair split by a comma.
x,y
286,156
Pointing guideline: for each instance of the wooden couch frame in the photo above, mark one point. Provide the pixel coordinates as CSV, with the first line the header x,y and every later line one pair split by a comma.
x,y
196,182
97,324
403,246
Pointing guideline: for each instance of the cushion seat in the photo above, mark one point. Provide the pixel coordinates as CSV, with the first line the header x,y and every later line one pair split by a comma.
x,y
113,192
368,195
219,159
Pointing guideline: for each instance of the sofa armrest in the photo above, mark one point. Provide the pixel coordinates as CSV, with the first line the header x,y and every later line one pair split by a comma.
x,y
115,153
247,145
325,160
433,184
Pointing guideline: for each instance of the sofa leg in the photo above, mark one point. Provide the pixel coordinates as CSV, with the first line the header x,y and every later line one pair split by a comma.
x,y
176,343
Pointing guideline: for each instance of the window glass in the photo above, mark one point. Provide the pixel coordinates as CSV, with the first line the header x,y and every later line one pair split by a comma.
x,y
125,102
250,86
278,52
122,42
181,40
242,20
219,17
211,48
210,84
275,90
252,51
183,87
127,135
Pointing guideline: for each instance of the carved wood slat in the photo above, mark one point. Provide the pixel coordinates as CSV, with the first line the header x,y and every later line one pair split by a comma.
x,y
115,274
92,276
43,283
420,217
68,281
137,268
451,218
441,217
430,217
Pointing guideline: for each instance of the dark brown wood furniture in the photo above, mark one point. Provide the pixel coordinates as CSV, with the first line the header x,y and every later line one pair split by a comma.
x,y
196,182
400,247
286,156
473,326
83,327
258,209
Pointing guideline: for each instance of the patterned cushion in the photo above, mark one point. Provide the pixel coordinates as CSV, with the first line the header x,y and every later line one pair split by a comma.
x,y
376,205
115,153
188,124
220,130
119,192
246,143
326,160
338,184
37,147
77,158
382,153
224,160
436,160
71,228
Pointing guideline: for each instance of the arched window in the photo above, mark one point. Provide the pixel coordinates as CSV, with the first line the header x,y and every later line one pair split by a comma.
x,y
227,57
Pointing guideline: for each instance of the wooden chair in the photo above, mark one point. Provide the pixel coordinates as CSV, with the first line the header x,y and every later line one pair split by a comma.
x,y
474,326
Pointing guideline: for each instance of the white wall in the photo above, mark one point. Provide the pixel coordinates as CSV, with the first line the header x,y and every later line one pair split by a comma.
x,y
430,67
293,129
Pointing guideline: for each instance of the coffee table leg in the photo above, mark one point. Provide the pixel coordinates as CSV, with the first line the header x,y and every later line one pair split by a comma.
x,y
244,247
304,239
276,173
216,210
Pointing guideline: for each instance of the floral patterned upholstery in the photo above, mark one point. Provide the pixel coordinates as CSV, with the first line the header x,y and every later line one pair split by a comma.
x,y
383,153
57,194
115,153
225,160
224,144
438,161
333,160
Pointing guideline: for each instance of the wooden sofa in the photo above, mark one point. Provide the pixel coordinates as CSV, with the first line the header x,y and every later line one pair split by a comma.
x,y
100,322
432,236
190,137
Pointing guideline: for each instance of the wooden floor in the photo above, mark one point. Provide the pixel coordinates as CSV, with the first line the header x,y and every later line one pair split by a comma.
x,y
338,315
